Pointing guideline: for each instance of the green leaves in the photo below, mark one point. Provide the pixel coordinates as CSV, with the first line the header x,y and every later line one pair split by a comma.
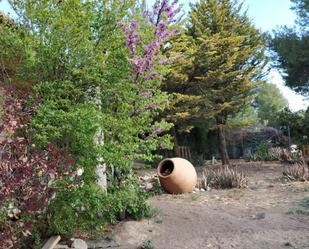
x,y
292,50
270,102
75,60
224,58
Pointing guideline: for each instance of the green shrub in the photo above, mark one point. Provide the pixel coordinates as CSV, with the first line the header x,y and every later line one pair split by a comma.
x,y
85,82
88,208
147,244
262,151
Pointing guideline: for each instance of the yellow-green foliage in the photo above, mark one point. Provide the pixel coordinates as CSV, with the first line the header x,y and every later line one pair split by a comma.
x,y
223,55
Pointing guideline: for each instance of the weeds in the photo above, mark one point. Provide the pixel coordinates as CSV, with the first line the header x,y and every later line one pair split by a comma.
x,y
302,209
147,244
298,210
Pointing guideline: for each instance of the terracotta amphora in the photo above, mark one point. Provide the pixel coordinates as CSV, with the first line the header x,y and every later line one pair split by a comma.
x,y
177,175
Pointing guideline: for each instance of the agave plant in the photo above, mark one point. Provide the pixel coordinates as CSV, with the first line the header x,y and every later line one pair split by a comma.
x,y
297,171
223,178
274,153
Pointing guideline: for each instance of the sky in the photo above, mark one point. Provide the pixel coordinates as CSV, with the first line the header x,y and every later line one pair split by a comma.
x,y
266,15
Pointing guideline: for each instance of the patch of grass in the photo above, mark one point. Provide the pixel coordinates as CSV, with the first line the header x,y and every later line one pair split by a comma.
x,y
298,189
147,244
290,244
156,216
154,212
302,209
195,197
298,210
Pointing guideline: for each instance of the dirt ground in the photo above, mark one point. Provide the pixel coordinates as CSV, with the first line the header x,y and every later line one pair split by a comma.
x,y
254,218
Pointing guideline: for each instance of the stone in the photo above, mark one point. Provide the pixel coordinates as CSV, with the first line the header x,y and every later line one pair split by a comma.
x,y
145,178
52,242
79,244
149,186
258,216
102,244
61,247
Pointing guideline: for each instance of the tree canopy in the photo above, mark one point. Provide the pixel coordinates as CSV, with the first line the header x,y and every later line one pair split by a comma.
x,y
223,58
291,47
270,102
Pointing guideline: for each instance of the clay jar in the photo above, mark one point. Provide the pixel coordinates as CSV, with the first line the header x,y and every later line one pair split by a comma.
x,y
177,175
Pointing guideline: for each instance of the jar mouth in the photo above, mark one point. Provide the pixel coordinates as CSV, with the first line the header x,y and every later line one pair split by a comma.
x,y
166,168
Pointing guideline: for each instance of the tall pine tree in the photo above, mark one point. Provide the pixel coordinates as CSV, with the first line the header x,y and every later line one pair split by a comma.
x,y
291,47
223,57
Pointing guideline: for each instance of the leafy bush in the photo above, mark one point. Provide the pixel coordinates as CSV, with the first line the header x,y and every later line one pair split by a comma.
x,y
96,70
29,178
297,171
262,151
63,119
88,208
223,178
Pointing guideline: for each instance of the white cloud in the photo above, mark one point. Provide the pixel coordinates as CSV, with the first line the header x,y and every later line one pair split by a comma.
x,y
296,101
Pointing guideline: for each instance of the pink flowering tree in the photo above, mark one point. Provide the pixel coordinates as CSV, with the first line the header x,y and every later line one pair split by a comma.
x,y
145,59
145,38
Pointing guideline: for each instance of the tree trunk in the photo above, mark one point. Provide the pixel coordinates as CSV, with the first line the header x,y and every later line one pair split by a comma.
x,y
101,166
176,146
222,145
99,140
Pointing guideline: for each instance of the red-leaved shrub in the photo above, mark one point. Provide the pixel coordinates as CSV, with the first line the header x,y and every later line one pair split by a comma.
x,y
29,178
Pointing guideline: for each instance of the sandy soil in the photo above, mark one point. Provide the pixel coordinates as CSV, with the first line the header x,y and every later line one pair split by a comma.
x,y
256,217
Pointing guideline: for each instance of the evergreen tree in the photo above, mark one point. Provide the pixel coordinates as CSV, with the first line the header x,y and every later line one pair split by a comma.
x,y
291,47
223,57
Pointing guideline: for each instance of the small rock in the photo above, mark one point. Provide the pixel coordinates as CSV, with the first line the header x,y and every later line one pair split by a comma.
x,y
102,244
145,178
52,242
203,190
149,186
61,247
79,244
196,189
259,216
